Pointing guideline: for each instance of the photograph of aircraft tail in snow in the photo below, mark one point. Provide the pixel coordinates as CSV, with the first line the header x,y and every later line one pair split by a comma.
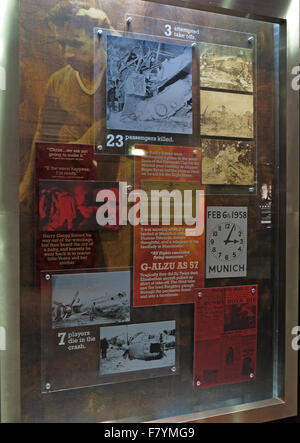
x,y
90,299
137,347
149,86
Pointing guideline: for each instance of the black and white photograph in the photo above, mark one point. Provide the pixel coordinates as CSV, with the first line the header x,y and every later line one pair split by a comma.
x,y
265,203
226,67
89,299
149,86
137,347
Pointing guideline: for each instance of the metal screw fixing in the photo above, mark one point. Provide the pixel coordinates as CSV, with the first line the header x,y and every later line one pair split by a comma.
x,y
48,277
129,20
250,40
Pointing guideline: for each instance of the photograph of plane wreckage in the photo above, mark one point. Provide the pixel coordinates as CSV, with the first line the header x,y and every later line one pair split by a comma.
x,y
90,299
149,86
137,347
226,67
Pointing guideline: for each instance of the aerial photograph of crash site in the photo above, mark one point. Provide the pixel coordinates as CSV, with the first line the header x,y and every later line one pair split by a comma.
x,y
149,86
137,347
90,299
226,67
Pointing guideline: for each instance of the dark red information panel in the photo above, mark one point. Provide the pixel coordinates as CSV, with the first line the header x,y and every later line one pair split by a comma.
x,y
70,207
225,335
56,161
169,258
58,165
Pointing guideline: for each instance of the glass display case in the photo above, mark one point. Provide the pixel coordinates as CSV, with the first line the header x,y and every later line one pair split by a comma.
x,y
158,169
10,405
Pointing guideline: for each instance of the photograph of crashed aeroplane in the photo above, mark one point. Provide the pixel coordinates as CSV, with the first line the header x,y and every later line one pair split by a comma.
x,y
137,347
149,86
226,67
90,299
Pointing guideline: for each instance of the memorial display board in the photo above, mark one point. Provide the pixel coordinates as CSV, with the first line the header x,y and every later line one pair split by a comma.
x,y
150,212
82,314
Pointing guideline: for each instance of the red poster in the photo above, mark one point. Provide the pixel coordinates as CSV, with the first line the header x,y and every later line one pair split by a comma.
x,y
225,336
56,165
168,256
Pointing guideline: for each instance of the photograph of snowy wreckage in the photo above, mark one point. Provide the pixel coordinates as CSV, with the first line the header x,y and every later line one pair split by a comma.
x,y
149,86
90,299
137,347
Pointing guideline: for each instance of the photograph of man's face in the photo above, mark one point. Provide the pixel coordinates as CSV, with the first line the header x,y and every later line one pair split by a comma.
x,y
69,81
77,46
